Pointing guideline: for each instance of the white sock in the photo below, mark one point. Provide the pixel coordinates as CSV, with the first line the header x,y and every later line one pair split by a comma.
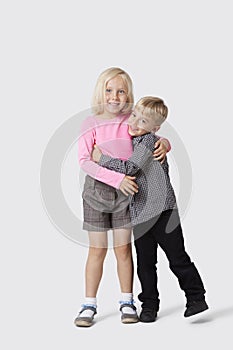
x,y
127,298
90,302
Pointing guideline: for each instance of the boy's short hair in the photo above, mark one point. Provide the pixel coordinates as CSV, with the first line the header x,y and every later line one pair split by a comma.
x,y
103,79
153,107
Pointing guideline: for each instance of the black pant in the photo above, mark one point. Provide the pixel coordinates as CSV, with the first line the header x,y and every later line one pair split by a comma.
x,y
172,244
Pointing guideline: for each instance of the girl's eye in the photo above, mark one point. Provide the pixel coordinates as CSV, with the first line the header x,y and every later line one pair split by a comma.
x,y
108,90
122,92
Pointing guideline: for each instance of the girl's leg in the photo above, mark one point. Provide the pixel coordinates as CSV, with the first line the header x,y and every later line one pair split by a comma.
x,y
94,264
93,274
123,253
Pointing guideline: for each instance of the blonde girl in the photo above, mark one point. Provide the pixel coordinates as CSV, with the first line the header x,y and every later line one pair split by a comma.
x,y
105,193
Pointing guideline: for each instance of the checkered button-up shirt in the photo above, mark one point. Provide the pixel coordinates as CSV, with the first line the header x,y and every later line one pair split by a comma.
x,y
155,192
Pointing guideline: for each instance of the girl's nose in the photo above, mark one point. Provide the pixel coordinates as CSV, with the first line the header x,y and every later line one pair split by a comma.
x,y
114,95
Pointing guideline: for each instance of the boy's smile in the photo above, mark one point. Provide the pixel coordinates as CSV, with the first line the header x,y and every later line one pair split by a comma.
x,y
136,131
140,124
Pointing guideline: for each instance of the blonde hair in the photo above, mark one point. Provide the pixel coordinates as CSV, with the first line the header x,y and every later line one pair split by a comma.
x,y
153,107
99,91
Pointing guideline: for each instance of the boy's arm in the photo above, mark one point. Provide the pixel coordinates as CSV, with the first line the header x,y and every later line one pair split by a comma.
x,y
141,155
128,167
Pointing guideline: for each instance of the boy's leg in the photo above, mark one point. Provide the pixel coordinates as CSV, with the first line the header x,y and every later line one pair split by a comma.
x,y
172,243
146,250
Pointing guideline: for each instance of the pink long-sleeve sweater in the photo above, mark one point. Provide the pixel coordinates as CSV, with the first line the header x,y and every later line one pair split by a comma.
x,y
112,136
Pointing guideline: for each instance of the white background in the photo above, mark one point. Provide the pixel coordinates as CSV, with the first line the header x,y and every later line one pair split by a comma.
x,y
51,55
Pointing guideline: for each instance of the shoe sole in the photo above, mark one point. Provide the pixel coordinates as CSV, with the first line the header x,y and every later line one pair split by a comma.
x,y
150,321
130,320
82,323
197,313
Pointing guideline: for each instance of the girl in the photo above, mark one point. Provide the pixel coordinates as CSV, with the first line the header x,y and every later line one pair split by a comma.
x,y
105,194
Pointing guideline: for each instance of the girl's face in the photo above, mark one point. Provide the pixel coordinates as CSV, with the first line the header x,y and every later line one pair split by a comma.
x,y
115,97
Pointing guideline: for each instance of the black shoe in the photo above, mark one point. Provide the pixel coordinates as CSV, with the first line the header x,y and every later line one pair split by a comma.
x,y
148,314
194,307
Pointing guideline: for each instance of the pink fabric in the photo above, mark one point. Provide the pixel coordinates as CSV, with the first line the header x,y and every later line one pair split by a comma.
x,y
111,135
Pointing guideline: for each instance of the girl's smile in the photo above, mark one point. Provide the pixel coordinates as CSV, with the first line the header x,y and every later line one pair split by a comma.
x,y
115,96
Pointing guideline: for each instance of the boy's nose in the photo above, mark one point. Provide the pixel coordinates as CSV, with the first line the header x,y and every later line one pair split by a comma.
x,y
133,122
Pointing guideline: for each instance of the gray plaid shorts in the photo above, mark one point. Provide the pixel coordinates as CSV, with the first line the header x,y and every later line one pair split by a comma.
x,y
104,207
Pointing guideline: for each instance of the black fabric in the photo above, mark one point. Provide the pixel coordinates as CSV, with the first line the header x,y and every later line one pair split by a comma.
x,y
172,243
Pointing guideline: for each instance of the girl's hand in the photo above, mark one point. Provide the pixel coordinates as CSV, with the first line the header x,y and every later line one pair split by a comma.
x,y
161,149
96,154
128,186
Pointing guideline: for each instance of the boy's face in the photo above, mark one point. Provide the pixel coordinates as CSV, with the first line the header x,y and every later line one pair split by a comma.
x,y
140,124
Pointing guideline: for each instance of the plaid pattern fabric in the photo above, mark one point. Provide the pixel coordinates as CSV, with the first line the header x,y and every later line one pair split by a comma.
x,y
104,207
155,193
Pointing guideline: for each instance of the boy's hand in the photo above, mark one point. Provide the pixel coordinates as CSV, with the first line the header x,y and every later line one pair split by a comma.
x,y
161,149
128,186
96,154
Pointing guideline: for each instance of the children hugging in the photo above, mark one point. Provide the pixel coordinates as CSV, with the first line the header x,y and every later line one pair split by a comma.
x,y
127,190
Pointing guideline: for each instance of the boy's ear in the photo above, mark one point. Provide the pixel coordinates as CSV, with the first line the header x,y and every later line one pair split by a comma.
x,y
156,128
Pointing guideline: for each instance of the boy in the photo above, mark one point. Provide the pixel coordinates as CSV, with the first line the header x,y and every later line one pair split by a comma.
x,y
154,212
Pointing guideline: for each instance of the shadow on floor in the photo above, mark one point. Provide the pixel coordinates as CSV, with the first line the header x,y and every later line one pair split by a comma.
x,y
212,315
105,316
205,317
209,315
170,311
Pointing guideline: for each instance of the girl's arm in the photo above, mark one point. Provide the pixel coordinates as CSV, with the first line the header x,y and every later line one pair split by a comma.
x,y
166,143
162,146
85,146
